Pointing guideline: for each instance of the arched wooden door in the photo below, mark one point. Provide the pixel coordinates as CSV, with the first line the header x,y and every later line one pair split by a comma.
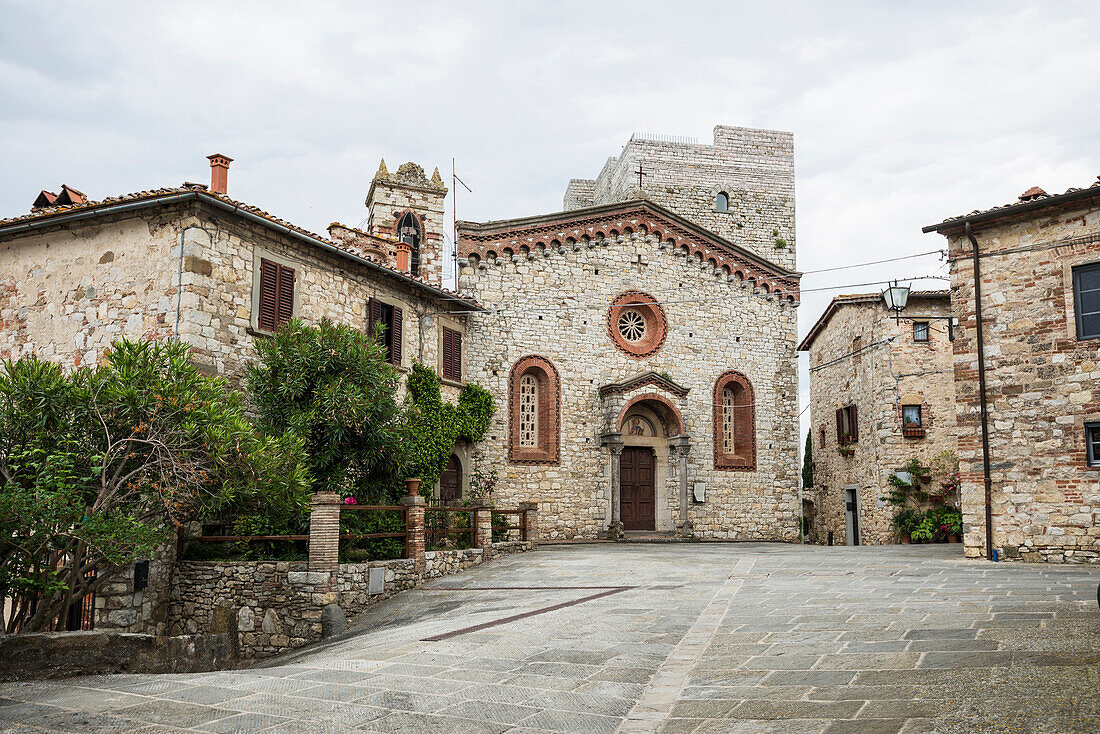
x,y
450,481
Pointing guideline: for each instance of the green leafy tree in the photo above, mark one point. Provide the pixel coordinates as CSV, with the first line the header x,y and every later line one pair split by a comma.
x,y
808,461
98,465
433,426
331,386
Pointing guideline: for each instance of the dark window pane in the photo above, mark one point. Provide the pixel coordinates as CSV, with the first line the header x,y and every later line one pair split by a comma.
x,y
1092,441
1089,302
1088,278
1090,325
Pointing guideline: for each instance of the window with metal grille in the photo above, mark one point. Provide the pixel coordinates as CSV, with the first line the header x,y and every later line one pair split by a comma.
x,y
920,331
728,444
452,355
276,302
734,421
528,411
1086,300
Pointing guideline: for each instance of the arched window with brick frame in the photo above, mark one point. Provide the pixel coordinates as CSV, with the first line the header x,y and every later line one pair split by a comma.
x,y
734,423
534,412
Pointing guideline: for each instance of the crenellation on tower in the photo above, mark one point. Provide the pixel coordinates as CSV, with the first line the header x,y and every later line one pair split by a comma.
x,y
752,170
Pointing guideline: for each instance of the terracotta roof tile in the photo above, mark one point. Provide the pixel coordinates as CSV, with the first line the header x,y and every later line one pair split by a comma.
x,y
152,194
1026,201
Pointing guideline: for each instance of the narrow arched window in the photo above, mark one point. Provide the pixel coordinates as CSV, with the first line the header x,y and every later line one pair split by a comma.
x,y
528,411
734,423
408,231
728,443
722,202
534,412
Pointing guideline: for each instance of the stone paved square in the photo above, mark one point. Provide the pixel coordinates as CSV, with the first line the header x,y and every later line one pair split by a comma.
x,y
710,638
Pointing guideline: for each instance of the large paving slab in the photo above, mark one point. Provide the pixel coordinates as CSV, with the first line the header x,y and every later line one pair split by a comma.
x,y
670,638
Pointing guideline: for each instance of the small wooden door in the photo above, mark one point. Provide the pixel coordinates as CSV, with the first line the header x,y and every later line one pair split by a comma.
x,y
636,489
450,481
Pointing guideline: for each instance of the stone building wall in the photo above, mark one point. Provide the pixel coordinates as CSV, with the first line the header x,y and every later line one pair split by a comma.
x,y
888,369
555,304
1042,386
754,167
65,294
218,298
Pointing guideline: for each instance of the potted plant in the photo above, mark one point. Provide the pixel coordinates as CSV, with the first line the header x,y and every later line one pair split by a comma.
x,y
917,470
925,531
846,450
904,521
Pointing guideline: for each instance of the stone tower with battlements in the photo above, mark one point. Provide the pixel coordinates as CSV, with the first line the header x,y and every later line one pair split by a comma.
x,y
752,169
408,206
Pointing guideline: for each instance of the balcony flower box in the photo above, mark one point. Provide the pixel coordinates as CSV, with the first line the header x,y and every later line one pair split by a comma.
x,y
912,432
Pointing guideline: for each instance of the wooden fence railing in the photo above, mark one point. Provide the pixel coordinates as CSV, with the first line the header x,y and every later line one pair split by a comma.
x,y
422,528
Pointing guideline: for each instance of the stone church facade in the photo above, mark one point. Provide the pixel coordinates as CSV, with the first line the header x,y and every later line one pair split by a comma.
x,y
641,344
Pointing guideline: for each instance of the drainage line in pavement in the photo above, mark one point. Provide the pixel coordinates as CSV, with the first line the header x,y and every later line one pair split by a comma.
x,y
525,615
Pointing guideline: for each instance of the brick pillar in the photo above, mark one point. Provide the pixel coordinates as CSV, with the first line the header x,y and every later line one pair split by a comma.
x,y
483,535
324,532
414,524
531,522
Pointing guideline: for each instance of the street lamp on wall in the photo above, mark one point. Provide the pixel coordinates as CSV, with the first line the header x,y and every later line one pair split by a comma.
x,y
896,296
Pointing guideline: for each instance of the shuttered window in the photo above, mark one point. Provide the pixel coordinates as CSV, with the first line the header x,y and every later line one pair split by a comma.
x,y
387,320
276,302
847,427
452,355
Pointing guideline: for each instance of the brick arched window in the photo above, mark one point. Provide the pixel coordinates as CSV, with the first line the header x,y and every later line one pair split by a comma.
x,y
734,423
534,412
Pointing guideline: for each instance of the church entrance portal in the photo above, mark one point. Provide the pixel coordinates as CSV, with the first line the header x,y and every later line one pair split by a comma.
x,y
637,489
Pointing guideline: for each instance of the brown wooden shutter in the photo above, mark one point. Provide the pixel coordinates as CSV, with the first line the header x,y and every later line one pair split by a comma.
x,y
457,356
285,301
268,315
395,337
374,315
840,426
855,425
452,355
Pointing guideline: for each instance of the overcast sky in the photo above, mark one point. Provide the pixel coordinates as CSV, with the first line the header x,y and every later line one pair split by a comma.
x,y
902,114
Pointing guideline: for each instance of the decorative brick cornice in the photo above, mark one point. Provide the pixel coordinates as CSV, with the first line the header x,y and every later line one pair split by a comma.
x,y
531,236
643,380
655,321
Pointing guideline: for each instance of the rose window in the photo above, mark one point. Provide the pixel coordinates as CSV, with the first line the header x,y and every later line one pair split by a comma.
x,y
636,324
632,326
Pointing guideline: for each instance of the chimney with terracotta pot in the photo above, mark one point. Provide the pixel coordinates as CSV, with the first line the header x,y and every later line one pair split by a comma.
x,y
219,172
404,255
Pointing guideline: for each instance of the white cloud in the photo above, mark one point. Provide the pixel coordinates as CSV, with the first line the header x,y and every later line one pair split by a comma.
x,y
903,114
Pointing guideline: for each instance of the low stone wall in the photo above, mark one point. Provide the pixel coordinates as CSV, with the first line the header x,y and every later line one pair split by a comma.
x,y
275,606
63,654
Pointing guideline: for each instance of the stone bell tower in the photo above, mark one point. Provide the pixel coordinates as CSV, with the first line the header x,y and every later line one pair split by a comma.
x,y
408,206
